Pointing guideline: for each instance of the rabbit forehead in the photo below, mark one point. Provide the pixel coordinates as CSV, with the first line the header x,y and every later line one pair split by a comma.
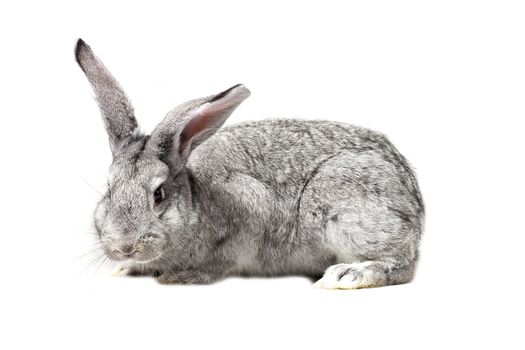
x,y
142,170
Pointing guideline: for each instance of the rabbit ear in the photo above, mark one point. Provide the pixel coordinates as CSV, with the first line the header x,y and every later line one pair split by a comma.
x,y
114,105
189,125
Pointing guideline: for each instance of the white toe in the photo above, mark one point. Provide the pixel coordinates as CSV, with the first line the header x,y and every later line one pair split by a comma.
x,y
345,276
121,271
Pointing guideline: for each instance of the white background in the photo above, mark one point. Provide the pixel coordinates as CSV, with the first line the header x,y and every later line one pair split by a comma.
x,y
445,80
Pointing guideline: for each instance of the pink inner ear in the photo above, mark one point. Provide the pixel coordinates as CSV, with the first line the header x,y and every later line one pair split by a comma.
x,y
206,119
193,127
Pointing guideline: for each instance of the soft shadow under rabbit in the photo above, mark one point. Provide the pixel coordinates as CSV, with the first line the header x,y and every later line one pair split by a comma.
x,y
192,203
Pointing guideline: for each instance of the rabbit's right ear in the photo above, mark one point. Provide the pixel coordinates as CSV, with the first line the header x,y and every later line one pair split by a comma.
x,y
116,109
190,124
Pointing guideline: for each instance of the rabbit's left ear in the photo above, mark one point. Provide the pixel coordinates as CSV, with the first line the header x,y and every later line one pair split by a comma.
x,y
188,126
117,111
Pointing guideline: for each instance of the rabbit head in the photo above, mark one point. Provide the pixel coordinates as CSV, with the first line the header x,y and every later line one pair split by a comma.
x,y
148,200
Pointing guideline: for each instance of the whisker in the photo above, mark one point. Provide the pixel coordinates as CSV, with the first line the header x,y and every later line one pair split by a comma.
x,y
93,261
92,251
107,262
93,188
101,263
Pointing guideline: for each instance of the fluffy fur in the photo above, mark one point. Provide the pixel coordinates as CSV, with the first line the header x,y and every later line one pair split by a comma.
x,y
273,197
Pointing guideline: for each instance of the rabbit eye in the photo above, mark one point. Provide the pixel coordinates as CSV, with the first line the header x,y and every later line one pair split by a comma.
x,y
159,195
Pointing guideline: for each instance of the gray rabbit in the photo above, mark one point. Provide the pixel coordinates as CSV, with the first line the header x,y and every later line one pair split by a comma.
x,y
193,202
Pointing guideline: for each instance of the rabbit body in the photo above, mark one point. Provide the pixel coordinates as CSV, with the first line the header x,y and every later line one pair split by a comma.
x,y
295,197
193,202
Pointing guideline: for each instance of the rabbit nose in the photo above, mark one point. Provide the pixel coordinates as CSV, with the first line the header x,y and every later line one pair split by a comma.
x,y
126,249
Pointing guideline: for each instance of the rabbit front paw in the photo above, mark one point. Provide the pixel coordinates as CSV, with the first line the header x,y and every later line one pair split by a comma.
x,y
123,270
135,270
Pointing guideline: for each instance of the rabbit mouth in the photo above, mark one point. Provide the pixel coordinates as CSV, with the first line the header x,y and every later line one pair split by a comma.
x,y
139,256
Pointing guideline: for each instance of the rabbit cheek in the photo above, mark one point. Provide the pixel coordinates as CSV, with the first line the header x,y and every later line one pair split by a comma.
x,y
148,249
101,212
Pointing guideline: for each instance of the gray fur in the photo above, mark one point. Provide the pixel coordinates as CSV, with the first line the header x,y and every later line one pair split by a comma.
x,y
273,197
115,106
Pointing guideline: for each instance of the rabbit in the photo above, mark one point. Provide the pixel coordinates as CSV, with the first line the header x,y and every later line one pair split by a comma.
x,y
192,202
